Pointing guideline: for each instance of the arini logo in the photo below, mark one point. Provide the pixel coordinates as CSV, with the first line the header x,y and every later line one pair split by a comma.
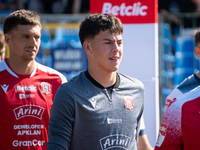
x,y
29,111
115,141
5,87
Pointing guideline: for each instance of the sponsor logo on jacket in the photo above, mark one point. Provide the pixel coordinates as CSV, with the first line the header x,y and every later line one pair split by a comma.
x,y
29,111
24,96
115,141
34,142
26,88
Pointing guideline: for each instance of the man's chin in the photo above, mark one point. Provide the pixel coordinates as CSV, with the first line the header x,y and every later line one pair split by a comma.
x,y
32,58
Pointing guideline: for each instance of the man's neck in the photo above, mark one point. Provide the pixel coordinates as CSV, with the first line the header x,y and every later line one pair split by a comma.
x,y
106,79
22,68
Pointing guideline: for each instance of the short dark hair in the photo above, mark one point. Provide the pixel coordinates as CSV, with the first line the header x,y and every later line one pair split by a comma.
x,y
197,37
95,23
20,17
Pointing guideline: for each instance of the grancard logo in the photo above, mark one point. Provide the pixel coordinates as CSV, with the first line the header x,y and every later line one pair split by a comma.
x,y
131,10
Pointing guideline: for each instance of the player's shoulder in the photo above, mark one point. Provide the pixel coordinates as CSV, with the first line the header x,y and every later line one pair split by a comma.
x,y
180,100
76,81
76,85
187,79
186,85
3,65
130,80
174,93
176,106
5,70
50,71
191,95
45,68
189,83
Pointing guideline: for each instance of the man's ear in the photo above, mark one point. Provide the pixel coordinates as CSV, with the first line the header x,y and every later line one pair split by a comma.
x,y
197,51
7,39
87,47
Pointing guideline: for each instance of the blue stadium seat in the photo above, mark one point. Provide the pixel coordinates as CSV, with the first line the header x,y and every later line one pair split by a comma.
x,y
45,38
185,62
61,34
182,73
169,60
68,36
167,77
167,38
44,51
167,46
184,44
67,53
184,59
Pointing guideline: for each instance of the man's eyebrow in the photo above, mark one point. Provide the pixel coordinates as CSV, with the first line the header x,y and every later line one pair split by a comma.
x,y
24,34
106,39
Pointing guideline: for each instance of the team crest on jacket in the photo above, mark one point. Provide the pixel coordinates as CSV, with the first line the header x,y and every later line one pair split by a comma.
x,y
45,88
128,102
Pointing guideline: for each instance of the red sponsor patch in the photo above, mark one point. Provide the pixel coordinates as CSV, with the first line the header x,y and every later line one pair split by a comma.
x,y
128,102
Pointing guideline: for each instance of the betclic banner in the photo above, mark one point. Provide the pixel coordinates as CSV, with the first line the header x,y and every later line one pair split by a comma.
x,y
129,11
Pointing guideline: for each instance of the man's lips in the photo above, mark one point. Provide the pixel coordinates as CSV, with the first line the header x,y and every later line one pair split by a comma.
x,y
31,50
114,58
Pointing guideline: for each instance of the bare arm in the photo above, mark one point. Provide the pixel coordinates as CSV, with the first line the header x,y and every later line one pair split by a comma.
x,y
143,143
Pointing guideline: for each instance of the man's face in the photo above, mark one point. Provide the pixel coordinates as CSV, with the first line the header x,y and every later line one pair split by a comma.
x,y
106,50
2,53
24,42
